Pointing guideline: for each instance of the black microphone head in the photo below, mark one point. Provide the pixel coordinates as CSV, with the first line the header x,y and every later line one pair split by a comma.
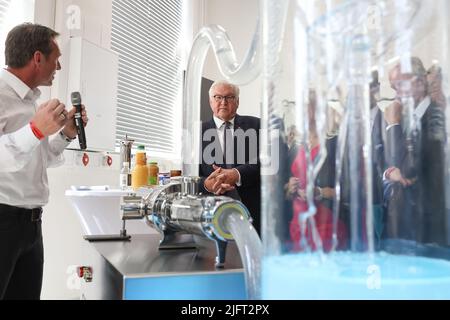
x,y
76,98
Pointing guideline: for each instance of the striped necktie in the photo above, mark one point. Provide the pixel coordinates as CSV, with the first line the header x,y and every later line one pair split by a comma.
x,y
228,151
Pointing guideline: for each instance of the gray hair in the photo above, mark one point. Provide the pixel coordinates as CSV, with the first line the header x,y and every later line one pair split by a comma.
x,y
224,83
417,68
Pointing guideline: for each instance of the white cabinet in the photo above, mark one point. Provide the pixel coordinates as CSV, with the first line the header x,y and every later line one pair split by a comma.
x,y
93,71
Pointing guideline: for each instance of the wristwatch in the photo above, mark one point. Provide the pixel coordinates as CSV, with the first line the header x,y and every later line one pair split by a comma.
x,y
66,137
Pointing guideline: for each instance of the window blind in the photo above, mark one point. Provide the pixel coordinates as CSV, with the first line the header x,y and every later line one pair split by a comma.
x,y
146,34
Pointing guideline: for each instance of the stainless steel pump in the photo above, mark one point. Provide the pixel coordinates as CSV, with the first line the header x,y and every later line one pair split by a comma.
x,y
177,210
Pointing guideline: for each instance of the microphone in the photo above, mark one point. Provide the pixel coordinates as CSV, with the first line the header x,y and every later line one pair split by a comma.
x,y
76,102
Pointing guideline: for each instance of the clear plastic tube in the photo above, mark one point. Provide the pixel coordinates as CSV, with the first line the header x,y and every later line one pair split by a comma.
x,y
250,250
274,15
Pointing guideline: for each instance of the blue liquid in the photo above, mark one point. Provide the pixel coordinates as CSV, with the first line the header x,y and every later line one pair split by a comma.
x,y
345,275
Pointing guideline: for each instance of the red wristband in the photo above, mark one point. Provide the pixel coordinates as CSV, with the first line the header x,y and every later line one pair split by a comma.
x,y
38,134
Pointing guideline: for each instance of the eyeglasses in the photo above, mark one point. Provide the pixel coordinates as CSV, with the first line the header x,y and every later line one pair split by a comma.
x,y
218,98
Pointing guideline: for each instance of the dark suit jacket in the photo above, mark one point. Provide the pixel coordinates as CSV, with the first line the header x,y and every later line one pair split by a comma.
x,y
248,167
418,212
378,157
326,177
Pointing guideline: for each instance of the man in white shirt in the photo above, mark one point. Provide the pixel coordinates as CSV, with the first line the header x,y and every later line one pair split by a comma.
x,y
26,151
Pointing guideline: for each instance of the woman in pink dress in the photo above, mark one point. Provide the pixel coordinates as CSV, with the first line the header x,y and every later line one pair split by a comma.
x,y
324,193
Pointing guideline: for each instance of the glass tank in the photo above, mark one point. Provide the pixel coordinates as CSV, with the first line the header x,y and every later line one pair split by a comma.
x,y
355,150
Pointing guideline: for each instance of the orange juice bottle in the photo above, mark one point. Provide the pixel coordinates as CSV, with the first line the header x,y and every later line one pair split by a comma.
x,y
139,175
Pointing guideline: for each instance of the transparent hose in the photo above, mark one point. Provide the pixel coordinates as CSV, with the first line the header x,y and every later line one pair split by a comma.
x,y
250,250
274,15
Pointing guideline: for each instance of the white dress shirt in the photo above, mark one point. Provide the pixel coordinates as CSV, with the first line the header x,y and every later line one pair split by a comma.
x,y
220,125
422,108
23,158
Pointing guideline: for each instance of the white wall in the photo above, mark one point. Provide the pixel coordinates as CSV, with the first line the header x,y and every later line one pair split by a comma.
x,y
61,228
239,20
88,19
45,12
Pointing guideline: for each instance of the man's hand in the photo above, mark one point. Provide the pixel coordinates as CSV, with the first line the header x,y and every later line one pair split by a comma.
x,y
434,79
221,180
70,129
393,113
227,176
223,188
211,180
50,117
395,175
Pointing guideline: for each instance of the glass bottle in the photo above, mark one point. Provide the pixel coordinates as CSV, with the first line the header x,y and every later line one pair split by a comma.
x,y
153,172
139,175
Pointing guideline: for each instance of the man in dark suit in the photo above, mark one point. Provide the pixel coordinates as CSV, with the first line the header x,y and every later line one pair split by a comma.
x,y
230,151
414,182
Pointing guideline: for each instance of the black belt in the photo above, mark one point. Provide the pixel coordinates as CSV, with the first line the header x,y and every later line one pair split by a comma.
x,y
34,215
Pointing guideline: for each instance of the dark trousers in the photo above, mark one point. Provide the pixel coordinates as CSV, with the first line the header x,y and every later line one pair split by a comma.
x,y
21,254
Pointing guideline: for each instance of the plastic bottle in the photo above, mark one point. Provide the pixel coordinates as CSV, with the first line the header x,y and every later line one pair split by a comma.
x,y
153,172
139,175
125,176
